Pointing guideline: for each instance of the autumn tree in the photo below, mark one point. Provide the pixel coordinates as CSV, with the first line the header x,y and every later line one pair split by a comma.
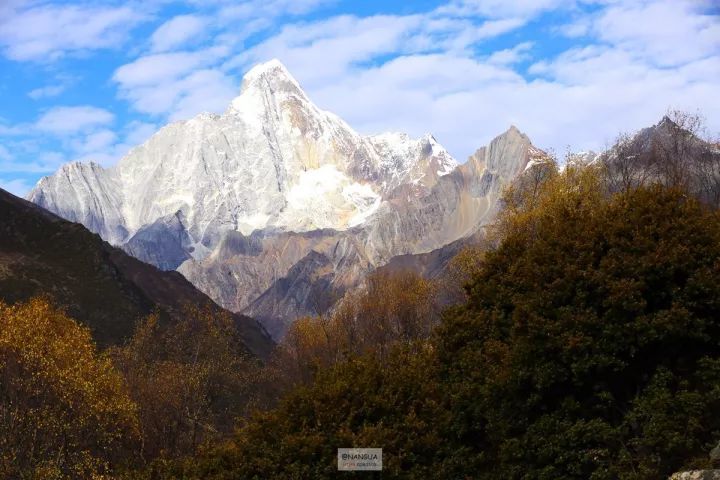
x,y
390,308
589,348
65,411
190,379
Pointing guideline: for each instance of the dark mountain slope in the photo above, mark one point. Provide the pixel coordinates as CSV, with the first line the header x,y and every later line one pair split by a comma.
x,y
99,285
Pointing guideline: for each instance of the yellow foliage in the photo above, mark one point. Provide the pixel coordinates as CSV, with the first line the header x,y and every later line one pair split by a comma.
x,y
391,308
65,411
572,189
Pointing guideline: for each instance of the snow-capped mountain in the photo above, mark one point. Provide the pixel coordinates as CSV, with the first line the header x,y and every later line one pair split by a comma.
x,y
273,159
276,203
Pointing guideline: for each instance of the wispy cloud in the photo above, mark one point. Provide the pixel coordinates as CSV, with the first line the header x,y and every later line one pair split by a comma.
x,y
18,187
47,91
46,32
504,8
512,55
321,51
178,31
60,85
65,120
176,84
665,32
158,68
231,10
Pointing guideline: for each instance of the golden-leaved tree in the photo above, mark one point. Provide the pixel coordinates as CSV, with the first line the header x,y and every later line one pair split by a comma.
x,y
64,410
390,309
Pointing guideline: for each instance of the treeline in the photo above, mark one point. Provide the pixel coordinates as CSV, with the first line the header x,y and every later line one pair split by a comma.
x,y
588,347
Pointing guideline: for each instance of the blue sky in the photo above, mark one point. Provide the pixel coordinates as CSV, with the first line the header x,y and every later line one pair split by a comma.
x,y
89,80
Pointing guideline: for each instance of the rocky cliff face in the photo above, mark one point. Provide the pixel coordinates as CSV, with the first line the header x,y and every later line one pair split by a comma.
x,y
288,274
277,203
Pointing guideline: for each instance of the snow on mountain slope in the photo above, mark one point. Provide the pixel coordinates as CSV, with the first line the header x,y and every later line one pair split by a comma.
x,y
273,159
84,193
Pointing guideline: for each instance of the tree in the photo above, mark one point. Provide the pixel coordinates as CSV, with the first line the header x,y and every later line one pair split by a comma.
x,y
190,380
395,403
589,348
65,411
390,309
590,344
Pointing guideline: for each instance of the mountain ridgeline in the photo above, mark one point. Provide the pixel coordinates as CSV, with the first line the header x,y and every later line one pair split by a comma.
x,y
276,208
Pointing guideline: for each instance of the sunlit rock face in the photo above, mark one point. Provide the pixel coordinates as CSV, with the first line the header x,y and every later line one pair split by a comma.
x,y
273,159
275,207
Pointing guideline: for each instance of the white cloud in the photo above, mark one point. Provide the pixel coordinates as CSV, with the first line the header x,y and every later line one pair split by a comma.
x,y
203,91
60,84
503,8
43,32
180,84
46,91
665,32
42,163
319,52
67,120
327,47
177,85
511,55
95,141
579,27
155,69
267,8
137,132
492,28
18,187
177,31
4,153
8,130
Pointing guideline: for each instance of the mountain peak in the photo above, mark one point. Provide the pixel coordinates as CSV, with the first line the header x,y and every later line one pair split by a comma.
x,y
666,122
271,76
513,130
274,65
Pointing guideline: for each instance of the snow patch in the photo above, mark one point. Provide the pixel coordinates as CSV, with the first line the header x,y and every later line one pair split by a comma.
x,y
249,223
327,198
366,202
